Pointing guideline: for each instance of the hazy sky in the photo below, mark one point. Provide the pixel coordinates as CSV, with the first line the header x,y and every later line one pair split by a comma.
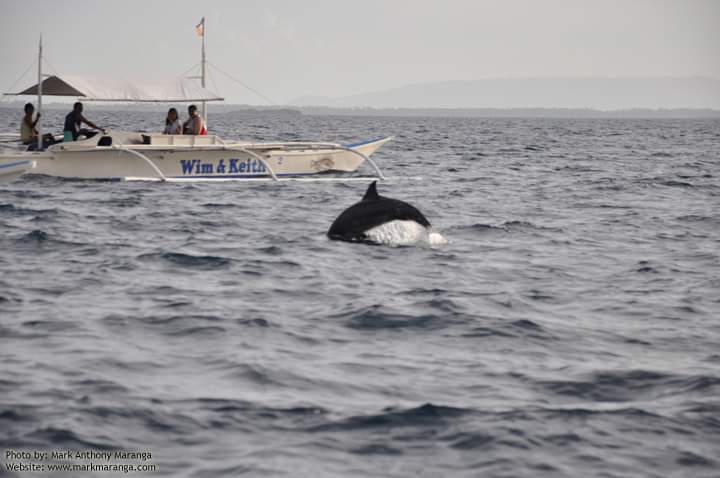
x,y
291,48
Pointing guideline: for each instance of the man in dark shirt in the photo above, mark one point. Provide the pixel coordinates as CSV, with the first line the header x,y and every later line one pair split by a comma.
x,y
73,121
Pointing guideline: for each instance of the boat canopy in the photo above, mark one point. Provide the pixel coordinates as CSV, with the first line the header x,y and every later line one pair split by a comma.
x,y
96,89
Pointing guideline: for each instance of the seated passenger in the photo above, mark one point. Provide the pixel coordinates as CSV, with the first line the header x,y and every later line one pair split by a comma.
x,y
28,132
73,121
194,124
172,123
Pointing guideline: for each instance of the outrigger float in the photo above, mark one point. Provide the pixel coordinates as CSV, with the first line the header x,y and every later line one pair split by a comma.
x,y
14,169
175,158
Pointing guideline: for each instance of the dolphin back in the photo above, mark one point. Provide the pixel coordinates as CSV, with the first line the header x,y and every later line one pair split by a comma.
x,y
371,212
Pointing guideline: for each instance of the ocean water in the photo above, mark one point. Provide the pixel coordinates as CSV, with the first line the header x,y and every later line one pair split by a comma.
x,y
570,327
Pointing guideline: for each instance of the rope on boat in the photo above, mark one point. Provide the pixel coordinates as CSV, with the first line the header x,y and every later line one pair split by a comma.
x,y
188,71
10,93
243,84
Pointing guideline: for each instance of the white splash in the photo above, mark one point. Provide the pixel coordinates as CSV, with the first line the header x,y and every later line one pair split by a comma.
x,y
405,233
436,239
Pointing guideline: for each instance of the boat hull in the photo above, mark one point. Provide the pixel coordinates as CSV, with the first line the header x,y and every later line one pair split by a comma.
x,y
202,161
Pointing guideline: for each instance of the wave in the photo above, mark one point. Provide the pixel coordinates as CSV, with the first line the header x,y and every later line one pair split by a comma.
x,y
478,227
439,314
371,319
8,209
197,331
12,210
472,441
254,322
202,262
39,237
36,235
199,326
521,328
59,438
98,386
52,326
376,449
507,226
675,183
271,250
627,386
422,291
697,218
424,415
646,268
518,225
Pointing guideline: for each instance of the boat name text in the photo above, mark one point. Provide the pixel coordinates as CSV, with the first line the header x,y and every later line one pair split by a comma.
x,y
192,167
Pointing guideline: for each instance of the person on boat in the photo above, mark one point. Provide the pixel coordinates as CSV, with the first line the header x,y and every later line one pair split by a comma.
x,y
74,120
28,132
195,124
172,123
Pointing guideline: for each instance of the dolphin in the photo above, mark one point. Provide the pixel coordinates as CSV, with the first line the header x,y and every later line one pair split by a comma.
x,y
380,220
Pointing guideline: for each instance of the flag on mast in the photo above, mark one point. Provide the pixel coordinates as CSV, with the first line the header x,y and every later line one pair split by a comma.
x,y
200,28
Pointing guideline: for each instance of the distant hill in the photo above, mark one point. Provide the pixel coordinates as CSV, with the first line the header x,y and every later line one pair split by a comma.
x,y
572,93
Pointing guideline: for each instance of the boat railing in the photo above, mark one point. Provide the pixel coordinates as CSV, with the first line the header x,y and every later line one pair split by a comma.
x,y
292,145
182,140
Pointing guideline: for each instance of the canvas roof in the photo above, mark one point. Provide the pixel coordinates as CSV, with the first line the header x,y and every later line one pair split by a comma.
x,y
97,89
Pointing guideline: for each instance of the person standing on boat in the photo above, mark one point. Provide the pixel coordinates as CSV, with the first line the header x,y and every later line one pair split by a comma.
x,y
195,124
74,120
28,132
172,123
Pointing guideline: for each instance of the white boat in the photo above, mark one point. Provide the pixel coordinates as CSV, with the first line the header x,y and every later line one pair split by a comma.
x,y
139,156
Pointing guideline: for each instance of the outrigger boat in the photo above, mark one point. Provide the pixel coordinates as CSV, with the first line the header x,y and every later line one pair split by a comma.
x,y
159,157
12,170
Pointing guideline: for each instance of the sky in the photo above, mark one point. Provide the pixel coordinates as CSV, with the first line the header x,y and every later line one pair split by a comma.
x,y
287,49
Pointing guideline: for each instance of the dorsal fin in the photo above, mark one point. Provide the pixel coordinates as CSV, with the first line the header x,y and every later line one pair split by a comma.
x,y
371,192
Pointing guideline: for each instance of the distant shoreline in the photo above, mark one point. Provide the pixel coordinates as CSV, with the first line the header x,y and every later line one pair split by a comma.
x,y
252,110
677,113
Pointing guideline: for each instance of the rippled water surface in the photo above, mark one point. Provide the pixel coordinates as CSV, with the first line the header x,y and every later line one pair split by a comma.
x,y
571,327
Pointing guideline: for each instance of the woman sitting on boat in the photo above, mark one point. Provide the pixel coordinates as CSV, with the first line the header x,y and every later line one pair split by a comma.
x,y
194,124
172,123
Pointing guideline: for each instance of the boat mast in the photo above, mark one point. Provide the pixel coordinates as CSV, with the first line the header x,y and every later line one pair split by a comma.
x,y
202,78
39,98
